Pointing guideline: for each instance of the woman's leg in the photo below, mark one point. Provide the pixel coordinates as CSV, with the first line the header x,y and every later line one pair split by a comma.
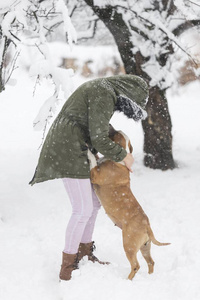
x,y
81,197
89,228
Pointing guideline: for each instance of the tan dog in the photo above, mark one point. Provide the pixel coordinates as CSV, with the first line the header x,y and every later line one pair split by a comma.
x,y
112,185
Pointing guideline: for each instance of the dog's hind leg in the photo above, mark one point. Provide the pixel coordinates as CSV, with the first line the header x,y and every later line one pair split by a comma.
x,y
134,265
131,249
145,250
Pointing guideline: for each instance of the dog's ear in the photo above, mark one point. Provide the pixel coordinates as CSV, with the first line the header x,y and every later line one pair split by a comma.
x,y
112,131
130,147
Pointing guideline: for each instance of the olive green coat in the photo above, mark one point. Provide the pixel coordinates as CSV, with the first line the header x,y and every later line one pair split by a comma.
x,y
84,121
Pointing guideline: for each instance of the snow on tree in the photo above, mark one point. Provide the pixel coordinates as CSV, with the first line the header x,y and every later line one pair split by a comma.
x,y
31,22
147,35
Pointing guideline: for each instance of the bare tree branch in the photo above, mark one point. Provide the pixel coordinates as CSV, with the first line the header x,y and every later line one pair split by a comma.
x,y
185,26
138,31
193,2
45,127
13,66
93,27
36,83
40,50
13,35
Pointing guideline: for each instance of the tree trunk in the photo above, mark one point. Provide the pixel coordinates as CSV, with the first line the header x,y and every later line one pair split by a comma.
x,y
1,78
157,127
5,47
157,132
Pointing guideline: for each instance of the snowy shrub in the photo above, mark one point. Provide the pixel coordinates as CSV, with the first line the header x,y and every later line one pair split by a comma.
x,y
31,22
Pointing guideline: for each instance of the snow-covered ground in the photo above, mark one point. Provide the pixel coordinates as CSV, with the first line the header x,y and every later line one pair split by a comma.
x,y
33,219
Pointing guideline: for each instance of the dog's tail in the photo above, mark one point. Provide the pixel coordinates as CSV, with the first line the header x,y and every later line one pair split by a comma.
x,y
153,239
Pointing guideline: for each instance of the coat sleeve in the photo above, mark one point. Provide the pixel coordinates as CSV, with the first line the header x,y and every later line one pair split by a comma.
x,y
100,111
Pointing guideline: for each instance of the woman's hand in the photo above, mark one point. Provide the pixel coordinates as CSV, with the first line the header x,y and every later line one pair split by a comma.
x,y
129,160
97,156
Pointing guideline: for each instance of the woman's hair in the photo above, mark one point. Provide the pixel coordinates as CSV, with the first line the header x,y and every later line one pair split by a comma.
x,y
129,108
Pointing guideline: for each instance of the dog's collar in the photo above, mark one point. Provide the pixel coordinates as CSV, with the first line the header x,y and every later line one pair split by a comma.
x,y
102,159
122,163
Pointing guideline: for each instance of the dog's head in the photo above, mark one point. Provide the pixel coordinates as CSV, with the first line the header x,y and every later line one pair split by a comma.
x,y
119,137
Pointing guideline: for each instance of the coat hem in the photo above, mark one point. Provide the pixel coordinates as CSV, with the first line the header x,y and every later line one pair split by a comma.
x,y
42,179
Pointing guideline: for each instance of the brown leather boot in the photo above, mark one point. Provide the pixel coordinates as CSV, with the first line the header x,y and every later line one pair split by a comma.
x,y
87,250
69,264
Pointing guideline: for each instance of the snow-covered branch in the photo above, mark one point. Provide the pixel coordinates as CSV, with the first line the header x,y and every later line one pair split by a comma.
x,y
153,29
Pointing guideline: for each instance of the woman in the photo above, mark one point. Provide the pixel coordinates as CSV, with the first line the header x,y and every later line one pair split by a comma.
x,y
84,123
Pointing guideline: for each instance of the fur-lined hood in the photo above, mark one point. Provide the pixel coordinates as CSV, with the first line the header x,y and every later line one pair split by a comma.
x,y
132,95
